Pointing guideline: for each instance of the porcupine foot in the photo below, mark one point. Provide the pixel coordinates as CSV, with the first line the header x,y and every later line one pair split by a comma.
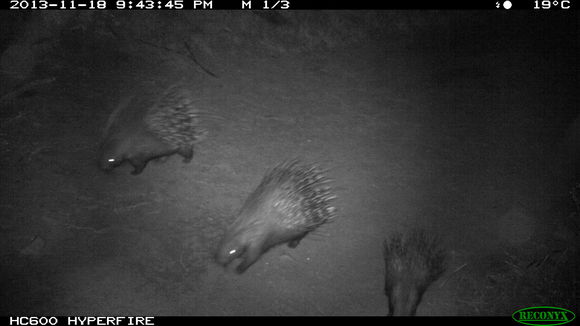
x,y
294,243
138,165
250,256
186,152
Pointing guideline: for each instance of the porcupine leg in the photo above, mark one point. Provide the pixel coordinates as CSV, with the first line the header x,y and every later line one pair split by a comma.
x,y
391,307
186,152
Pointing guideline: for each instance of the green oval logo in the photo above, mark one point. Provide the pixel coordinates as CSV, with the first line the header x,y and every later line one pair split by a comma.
x,y
543,316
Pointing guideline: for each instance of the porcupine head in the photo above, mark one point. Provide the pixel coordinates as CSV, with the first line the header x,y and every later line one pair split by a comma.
x,y
253,233
126,144
117,142
137,148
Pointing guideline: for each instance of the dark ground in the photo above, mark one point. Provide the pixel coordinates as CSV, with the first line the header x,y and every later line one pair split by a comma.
x,y
467,131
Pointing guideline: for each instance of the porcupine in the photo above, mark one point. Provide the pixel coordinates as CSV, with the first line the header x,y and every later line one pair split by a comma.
x,y
143,129
413,261
292,200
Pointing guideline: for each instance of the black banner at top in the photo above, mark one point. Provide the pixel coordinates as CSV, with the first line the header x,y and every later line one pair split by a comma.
x,y
150,5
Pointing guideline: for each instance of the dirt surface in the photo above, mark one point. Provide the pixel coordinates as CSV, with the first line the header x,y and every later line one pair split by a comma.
x,y
463,134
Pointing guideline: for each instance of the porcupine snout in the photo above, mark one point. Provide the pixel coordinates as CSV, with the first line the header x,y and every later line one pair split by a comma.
x,y
109,157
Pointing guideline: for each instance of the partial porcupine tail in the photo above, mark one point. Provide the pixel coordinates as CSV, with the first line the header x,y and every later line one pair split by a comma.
x,y
419,250
413,261
430,245
122,105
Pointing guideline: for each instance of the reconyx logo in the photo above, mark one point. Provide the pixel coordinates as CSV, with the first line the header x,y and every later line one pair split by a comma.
x,y
543,316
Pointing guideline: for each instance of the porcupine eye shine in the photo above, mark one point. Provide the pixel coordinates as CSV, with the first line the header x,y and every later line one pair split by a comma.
x,y
110,163
108,159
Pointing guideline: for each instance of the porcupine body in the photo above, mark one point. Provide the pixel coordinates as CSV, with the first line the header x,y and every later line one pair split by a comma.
x,y
292,200
413,261
143,129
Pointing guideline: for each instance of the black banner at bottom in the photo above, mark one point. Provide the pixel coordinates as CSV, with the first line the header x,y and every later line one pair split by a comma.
x,y
174,320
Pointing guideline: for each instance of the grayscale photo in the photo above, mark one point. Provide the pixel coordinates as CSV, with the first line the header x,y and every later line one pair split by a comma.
x,y
289,162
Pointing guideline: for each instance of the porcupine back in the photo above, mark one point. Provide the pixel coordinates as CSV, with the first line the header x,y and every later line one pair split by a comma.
x,y
413,261
299,195
290,201
175,119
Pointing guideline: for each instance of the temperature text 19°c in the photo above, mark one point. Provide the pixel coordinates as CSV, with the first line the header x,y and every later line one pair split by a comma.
x,y
549,4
